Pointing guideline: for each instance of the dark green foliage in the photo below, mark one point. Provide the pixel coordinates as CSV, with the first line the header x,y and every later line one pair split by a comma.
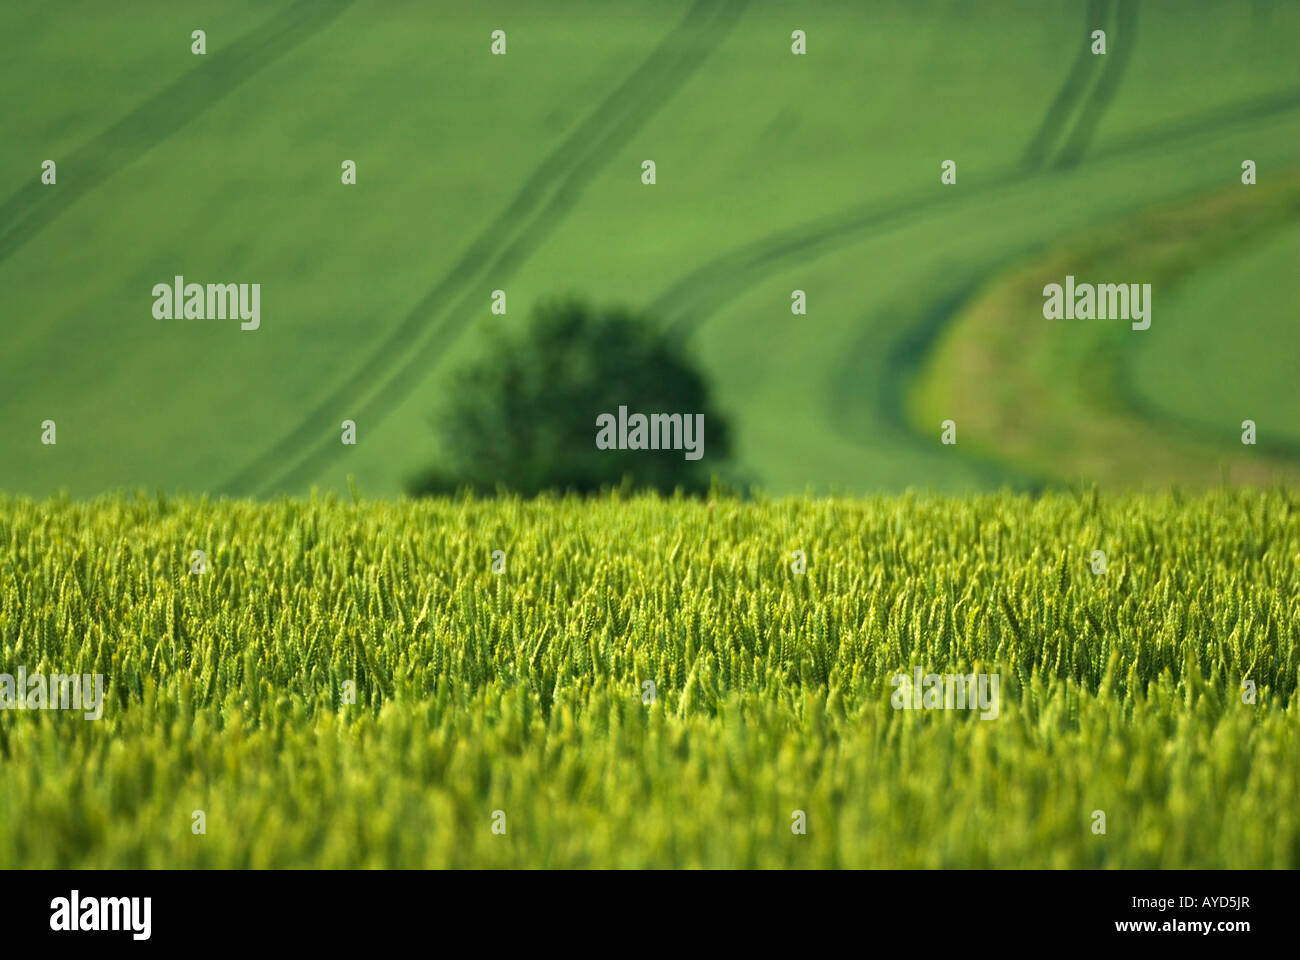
x,y
524,416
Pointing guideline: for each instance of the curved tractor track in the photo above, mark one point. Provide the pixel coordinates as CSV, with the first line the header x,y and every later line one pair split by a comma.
x,y
806,241
687,304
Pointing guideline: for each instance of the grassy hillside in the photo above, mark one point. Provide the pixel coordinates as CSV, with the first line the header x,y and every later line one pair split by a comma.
x,y
521,172
523,691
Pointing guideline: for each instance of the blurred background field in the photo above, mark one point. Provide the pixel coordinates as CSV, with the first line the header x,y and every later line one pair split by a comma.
x,y
775,172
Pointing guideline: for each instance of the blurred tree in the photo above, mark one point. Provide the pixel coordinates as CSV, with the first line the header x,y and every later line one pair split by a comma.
x,y
524,416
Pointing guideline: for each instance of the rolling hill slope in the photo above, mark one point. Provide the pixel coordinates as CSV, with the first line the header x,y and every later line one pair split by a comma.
x,y
521,172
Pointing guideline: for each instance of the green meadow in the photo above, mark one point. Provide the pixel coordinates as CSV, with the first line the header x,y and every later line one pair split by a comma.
x,y
521,172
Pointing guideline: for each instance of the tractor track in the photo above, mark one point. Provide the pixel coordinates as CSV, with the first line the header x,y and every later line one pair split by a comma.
x,y
1105,90
429,328
908,349
687,304
27,212
818,236
1063,104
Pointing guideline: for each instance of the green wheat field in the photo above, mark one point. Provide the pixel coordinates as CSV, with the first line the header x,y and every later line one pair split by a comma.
x,y
523,691
357,679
